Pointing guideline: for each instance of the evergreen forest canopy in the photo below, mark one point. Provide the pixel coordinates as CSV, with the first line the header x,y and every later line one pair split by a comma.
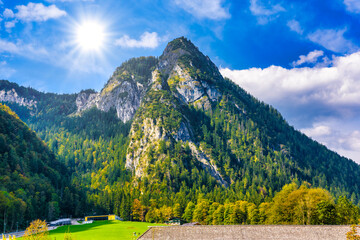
x,y
32,180
273,173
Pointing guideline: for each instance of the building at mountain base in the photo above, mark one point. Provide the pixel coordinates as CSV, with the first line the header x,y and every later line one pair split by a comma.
x,y
248,232
60,222
175,221
102,217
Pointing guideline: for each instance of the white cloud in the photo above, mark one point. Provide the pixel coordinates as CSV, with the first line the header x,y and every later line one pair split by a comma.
x,y
352,5
8,13
336,86
333,40
295,26
312,57
265,12
211,9
317,131
277,83
6,46
147,40
353,141
332,134
327,97
10,24
76,64
27,50
32,12
38,12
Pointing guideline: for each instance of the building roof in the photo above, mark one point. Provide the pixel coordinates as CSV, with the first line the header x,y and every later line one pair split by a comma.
x,y
61,220
248,232
101,215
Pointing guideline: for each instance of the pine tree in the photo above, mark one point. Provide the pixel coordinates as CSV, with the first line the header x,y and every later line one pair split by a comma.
x,y
188,213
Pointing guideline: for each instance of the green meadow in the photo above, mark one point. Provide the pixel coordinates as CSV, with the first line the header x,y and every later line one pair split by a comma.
x,y
107,230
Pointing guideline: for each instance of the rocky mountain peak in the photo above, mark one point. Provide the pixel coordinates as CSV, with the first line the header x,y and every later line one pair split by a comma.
x,y
123,91
180,43
189,74
180,51
173,51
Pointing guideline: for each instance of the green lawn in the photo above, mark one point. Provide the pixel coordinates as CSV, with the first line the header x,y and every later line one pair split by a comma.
x,y
107,230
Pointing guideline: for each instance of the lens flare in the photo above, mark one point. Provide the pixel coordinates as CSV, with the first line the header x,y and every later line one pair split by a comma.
x,y
90,36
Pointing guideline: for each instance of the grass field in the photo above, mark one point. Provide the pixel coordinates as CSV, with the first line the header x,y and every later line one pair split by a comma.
x,y
107,230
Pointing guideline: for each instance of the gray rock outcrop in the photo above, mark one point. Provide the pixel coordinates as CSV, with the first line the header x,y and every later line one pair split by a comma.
x,y
12,96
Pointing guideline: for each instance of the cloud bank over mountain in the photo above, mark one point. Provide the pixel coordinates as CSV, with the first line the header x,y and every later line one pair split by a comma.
x,y
323,102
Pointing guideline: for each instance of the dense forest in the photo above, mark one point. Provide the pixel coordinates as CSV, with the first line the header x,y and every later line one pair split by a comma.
x,y
273,174
33,182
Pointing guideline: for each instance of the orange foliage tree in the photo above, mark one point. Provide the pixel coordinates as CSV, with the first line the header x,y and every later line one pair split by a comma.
x,y
137,211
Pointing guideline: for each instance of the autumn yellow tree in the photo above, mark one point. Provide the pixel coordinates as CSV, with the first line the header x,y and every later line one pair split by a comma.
x,y
301,205
166,213
352,234
37,230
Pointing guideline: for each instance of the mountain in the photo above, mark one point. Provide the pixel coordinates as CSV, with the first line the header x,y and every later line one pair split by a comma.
x,y
233,136
165,134
166,110
32,180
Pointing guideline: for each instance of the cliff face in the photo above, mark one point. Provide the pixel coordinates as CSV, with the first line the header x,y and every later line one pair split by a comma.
x,y
176,85
158,118
124,96
192,90
124,90
13,97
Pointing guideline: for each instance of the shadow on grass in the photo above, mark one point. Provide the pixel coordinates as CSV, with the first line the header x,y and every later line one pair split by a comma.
x,y
80,228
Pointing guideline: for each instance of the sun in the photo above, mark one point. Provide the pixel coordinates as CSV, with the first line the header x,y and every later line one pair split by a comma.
x,y
90,36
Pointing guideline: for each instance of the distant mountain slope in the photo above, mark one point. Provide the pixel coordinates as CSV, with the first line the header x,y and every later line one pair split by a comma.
x,y
29,102
32,180
171,130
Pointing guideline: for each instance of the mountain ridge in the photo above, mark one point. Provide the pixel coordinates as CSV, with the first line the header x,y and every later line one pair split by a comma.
x,y
174,124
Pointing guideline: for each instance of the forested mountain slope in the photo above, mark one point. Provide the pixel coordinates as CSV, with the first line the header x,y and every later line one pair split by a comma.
x,y
32,180
236,138
169,131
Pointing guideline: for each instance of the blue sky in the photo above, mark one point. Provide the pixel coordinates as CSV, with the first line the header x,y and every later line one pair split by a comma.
x,y
301,56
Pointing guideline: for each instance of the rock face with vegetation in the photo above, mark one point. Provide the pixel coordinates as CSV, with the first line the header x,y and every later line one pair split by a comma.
x,y
170,137
163,118
12,96
124,90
